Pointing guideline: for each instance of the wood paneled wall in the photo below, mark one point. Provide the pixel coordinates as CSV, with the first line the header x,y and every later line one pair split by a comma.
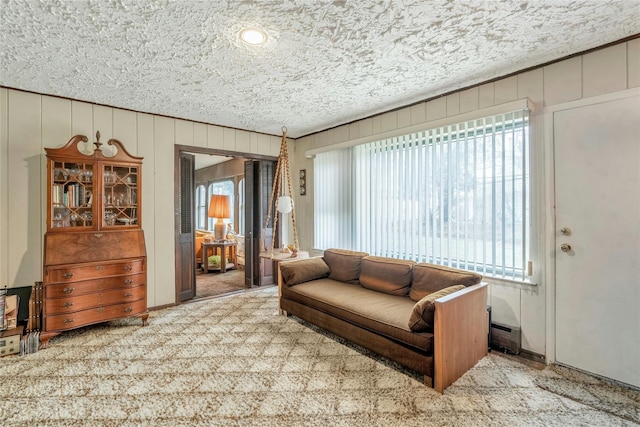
x,y
30,122
608,70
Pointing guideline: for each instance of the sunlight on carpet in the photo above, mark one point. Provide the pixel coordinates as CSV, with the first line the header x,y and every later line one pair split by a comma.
x,y
215,283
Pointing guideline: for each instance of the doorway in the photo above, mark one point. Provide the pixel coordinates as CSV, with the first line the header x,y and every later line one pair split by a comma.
x,y
200,173
597,191
219,266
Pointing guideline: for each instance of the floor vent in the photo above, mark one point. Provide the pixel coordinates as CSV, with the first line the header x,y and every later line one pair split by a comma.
x,y
505,338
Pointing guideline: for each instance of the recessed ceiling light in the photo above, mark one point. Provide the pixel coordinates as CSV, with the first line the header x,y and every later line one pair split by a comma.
x,y
253,36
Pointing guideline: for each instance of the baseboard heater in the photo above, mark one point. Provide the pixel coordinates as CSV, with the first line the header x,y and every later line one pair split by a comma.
x,y
505,338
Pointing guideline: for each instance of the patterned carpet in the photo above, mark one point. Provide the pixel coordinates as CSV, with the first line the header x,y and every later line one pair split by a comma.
x,y
234,361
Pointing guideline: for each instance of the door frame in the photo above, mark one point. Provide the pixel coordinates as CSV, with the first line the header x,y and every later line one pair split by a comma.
x,y
550,235
178,149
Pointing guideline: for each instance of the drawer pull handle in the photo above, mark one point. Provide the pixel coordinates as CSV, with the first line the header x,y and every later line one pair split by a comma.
x,y
67,275
128,310
67,304
98,235
128,282
127,268
67,321
99,267
100,309
128,294
67,290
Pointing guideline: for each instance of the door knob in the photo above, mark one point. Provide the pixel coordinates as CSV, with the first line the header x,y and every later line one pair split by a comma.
x,y
565,247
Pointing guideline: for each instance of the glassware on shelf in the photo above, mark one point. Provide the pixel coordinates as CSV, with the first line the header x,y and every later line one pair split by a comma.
x,y
73,170
109,217
57,220
60,174
86,176
110,177
121,198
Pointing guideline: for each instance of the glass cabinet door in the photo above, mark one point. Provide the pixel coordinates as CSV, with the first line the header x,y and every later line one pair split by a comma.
x,y
72,195
120,195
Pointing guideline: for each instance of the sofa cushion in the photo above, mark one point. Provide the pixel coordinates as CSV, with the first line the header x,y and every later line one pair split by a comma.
x,y
344,264
389,275
304,270
385,314
428,278
423,311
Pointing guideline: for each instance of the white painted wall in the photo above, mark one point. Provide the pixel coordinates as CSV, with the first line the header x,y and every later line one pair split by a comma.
x,y
30,122
607,70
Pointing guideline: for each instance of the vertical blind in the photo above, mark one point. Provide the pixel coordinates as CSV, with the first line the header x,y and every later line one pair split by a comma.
x,y
456,196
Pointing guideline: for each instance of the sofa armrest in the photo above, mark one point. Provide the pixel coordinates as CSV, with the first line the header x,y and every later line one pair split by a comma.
x,y
280,279
461,330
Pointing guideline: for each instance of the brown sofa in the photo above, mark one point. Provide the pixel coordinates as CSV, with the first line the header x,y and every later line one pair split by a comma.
x,y
429,318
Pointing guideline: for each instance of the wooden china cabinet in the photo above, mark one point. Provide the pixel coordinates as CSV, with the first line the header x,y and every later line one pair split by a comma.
x,y
95,263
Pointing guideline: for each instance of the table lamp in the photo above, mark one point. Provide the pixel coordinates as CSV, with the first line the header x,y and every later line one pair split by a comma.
x,y
219,208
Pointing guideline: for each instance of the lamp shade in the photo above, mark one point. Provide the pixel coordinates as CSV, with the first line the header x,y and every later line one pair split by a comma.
x,y
219,206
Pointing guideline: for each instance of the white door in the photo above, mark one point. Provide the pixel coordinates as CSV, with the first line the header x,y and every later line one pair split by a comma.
x,y
597,170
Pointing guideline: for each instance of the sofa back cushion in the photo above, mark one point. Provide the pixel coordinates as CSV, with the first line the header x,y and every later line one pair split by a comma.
x,y
295,272
388,275
429,278
344,265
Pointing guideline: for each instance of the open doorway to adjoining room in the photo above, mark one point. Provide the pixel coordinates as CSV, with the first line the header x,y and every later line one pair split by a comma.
x,y
206,266
219,175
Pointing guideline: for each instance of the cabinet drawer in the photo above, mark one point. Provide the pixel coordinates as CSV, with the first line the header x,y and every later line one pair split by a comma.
x,y
65,290
9,345
95,270
62,322
97,299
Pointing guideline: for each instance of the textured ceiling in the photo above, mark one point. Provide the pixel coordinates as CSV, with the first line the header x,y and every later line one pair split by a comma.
x,y
325,62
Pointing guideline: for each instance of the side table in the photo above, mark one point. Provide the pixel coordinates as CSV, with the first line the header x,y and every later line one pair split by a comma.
x,y
220,246
277,258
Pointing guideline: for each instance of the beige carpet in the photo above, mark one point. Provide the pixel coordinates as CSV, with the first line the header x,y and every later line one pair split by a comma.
x,y
234,361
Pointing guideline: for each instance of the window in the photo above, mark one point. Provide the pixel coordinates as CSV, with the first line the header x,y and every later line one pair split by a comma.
x,y
456,196
201,207
241,203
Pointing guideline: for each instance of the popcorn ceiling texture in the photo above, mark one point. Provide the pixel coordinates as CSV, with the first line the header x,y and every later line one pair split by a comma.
x,y
325,62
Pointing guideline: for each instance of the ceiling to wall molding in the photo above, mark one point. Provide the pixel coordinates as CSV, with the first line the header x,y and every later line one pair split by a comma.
x,y
325,63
